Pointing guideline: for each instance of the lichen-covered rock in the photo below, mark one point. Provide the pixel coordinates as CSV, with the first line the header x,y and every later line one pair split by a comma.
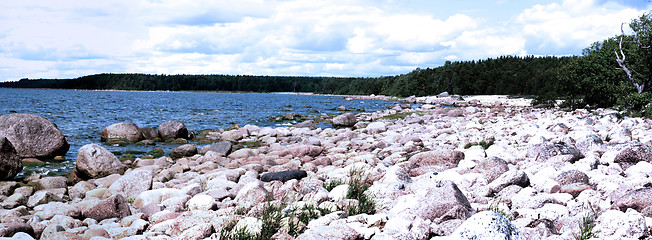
x,y
172,130
33,136
124,130
487,225
10,162
94,161
434,161
491,168
544,151
631,155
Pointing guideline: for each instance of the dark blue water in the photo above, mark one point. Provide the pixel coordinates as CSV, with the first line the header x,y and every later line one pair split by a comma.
x,y
82,115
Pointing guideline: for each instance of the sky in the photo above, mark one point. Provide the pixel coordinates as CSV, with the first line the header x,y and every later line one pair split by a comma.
x,y
356,38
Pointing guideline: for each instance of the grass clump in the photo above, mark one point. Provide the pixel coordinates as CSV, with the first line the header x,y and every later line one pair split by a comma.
x,y
586,224
358,184
274,217
332,184
495,206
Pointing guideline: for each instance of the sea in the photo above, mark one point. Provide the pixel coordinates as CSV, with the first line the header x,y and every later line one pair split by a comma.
x,y
82,114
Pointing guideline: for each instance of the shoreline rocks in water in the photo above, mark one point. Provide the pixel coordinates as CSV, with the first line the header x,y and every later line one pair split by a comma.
x,y
33,136
419,174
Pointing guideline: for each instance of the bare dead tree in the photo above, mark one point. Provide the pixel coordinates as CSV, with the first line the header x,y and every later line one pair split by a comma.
x,y
621,62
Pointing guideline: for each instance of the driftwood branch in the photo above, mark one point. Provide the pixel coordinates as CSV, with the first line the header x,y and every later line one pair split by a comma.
x,y
621,62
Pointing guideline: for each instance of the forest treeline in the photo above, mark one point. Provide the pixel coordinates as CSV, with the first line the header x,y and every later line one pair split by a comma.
x,y
615,72
503,75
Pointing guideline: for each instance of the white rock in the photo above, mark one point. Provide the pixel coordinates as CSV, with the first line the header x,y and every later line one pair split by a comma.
x,y
338,193
201,202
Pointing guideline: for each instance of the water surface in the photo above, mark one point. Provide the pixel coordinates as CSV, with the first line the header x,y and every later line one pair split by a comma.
x,y
81,115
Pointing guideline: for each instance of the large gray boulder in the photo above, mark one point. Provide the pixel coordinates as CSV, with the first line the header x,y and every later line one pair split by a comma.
x,y
94,161
345,120
172,129
123,130
33,136
10,163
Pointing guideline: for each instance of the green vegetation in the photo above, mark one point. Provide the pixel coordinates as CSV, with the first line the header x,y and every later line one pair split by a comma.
x,y
616,72
358,184
586,224
332,184
273,216
484,144
495,206
401,115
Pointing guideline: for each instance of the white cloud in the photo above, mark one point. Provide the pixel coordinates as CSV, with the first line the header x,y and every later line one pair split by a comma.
x,y
573,24
69,38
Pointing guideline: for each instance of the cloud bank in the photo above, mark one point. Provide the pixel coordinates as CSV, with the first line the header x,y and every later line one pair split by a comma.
x,y
62,39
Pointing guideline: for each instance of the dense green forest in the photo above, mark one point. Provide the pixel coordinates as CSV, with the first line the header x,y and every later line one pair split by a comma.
x,y
504,75
615,72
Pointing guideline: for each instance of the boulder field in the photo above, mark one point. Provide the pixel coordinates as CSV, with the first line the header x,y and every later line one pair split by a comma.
x,y
483,171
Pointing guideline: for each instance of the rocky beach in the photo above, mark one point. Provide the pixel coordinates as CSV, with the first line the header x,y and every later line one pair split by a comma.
x,y
490,167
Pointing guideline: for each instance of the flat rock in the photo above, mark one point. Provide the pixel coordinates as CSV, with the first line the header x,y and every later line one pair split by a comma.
x,y
33,136
434,161
339,231
223,147
49,210
94,161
